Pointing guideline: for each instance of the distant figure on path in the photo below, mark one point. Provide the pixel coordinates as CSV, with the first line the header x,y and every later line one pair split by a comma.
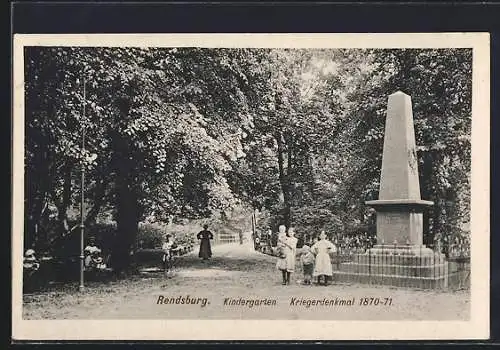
x,y
323,264
205,249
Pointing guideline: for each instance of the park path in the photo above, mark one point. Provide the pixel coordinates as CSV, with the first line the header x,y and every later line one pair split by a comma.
x,y
237,271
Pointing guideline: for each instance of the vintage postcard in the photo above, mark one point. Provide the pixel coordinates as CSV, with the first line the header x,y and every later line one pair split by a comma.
x,y
251,187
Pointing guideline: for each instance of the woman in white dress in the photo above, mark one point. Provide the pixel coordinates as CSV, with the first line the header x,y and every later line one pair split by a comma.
x,y
281,246
323,264
291,253
92,254
287,250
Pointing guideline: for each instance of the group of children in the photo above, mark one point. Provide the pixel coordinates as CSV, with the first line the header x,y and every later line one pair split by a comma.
x,y
316,260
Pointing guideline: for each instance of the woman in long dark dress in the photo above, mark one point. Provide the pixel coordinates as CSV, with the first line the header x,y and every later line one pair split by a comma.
x,y
205,249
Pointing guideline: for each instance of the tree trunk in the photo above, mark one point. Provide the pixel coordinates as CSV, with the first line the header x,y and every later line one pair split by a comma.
x,y
284,180
99,199
62,203
426,173
37,183
127,207
127,226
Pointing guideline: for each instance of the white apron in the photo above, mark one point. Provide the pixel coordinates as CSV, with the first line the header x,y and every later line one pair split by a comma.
x,y
323,263
288,262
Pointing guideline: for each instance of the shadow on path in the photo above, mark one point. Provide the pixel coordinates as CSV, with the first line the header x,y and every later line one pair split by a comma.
x,y
231,257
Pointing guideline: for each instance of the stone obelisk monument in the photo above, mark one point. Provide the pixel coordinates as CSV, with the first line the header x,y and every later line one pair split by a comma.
x,y
399,207
399,257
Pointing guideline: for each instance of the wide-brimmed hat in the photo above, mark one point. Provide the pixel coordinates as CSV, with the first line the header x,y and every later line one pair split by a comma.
x,y
29,252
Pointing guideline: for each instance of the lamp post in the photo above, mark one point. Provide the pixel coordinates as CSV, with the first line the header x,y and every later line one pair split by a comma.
x,y
82,192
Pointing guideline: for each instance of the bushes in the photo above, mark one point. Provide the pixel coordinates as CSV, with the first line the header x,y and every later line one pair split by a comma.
x,y
65,251
150,236
69,245
105,235
184,234
184,238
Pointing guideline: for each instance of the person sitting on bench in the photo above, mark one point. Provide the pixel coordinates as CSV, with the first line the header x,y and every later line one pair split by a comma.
x,y
93,258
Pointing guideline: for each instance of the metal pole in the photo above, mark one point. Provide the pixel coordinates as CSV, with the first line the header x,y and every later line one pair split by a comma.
x,y
82,191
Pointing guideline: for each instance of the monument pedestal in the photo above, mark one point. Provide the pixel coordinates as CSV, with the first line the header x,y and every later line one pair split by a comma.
x,y
396,265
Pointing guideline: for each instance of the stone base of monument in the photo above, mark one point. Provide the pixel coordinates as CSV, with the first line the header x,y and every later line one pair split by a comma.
x,y
400,266
401,250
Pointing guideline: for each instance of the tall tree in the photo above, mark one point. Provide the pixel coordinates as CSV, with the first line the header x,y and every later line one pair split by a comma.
x,y
157,120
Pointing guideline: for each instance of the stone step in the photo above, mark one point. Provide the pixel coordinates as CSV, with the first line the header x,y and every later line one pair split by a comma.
x,y
392,280
395,270
398,259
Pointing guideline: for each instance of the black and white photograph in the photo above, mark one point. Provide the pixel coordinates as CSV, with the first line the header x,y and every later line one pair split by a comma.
x,y
301,181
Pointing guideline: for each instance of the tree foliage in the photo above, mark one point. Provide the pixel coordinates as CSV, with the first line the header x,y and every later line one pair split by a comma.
x,y
190,132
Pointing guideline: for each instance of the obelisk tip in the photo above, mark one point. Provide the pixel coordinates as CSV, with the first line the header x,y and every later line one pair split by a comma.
x,y
399,92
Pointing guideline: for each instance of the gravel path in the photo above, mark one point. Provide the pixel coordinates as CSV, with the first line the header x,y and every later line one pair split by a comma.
x,y
239,272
